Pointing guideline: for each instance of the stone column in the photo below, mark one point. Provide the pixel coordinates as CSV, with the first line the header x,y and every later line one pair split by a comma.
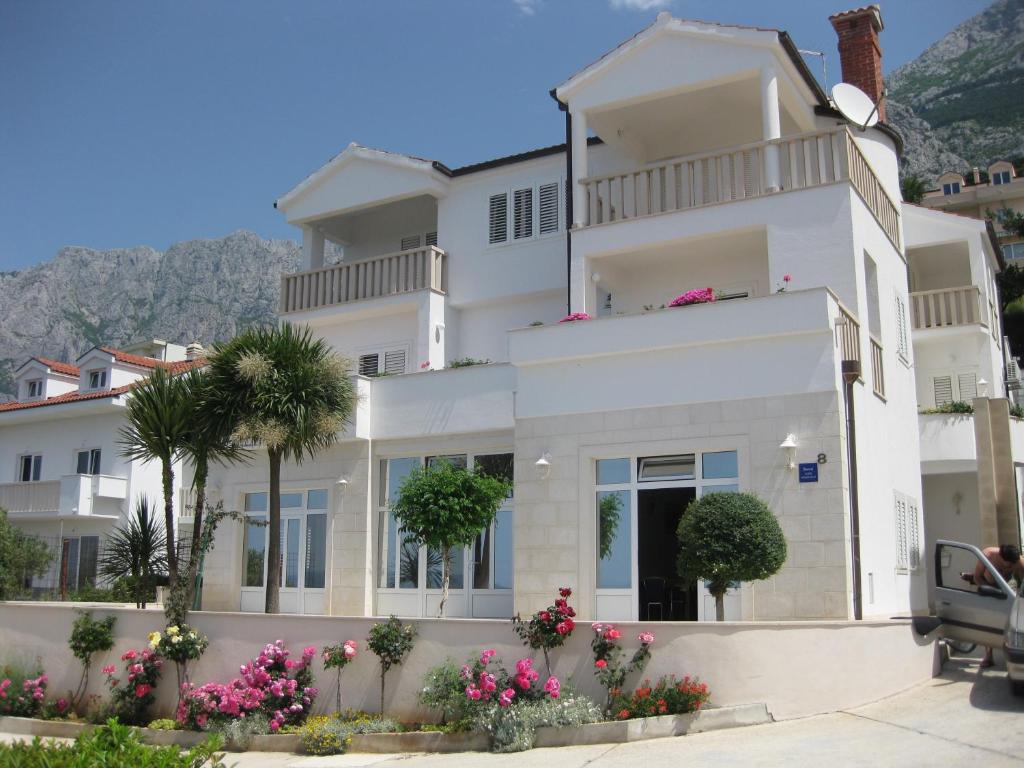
x,y
312,248
771,127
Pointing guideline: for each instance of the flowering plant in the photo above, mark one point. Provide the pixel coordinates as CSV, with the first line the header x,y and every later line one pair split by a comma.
x,y
696,296
668,697
24,700
573,316
493,684
336,657
264,686
784,284
548,628
608,659
131,700
181,644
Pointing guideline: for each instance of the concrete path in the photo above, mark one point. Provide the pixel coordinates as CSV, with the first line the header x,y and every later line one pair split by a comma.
x,y
965,717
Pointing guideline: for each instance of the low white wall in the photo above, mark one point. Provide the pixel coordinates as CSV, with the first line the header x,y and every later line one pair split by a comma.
x,y
796,668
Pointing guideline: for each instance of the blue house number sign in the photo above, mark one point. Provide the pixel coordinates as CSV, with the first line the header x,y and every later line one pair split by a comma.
x,y
809,473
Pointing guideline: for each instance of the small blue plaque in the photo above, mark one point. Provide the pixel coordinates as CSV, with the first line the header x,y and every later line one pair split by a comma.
x,y
809,473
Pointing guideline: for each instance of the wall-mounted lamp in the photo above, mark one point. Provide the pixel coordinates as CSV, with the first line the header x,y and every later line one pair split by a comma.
x,y
958,499
595,277
789,445
543,465
438,330
341,482
982,388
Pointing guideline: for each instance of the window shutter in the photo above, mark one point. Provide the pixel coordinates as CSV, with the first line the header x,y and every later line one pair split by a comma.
x,y
368,365
901,328
902,534
968,383
430,238
943,388
412,241
498,218
549,208
914,535
394,361
522,213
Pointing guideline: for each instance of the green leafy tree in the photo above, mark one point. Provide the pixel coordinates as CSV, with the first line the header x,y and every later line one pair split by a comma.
x,y
913,188
727,537
22,556
445,507
157,420
1010,220
285,391
136,550
391,642
89,636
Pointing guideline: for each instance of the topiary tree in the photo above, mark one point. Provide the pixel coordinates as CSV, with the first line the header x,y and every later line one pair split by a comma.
x,y
445,507
391,642
727,537
89,636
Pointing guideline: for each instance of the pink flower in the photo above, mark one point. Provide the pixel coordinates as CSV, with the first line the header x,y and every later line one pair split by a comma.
x,y
289,664
612,634
552,687
109,669
486,656
350,651
523,665
424,364
575,316
544,616
506,697
786,278
129,656
142,689
696,296
600,663
309,652
646,638
565,592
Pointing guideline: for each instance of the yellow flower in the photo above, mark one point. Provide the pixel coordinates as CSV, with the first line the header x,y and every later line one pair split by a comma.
x,y
175,639
154,639
172,631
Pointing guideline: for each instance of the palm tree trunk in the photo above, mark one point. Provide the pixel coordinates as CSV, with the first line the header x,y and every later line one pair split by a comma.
x,y
199,483
172,553
274,533
446,572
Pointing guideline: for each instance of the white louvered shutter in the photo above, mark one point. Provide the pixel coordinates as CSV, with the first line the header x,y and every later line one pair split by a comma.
x,y
968,383
943,388
368,365
902,534
430,238
412,241
394,361
498,226
522,213
901,328
548,208
914,535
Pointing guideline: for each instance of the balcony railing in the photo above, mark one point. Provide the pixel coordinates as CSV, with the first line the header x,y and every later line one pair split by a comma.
x,y
847,335
389,275
947,307
692,181
30,497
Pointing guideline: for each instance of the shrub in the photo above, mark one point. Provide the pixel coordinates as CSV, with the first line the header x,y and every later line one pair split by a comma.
x,y
668,697
728,537
1017,411
238,732
444,691
22,556
22,692
264,687
608,665
485,683
163,724
465,362
111,746
89,636
513,729
696,296
337,657
131,699
391,642
957,406
549,628
331,734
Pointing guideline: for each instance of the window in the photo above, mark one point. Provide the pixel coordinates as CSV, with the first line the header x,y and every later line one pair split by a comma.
x,y
908,533
30,467
522,213
399,568
1001,177
968,383
413,241
871,286
1013,251
902,347
79,557
303,539
98,379
87,462
535,211
548,195
430,238
385,363
942,388
254,543
498,223
655,468
35,388
953,188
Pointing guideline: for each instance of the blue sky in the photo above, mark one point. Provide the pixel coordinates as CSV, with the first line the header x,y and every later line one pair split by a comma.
x,y
136,122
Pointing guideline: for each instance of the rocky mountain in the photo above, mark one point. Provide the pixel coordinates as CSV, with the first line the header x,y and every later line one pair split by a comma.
x,y
205,290
959,103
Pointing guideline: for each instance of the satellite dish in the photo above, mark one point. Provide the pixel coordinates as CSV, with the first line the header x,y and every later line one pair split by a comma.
x,y
855,105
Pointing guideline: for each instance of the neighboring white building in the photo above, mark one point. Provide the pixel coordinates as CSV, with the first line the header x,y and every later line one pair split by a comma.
x,y
698,155
65,478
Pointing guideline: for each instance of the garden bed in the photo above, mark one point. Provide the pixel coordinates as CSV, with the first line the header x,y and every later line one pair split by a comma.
x,y
612,732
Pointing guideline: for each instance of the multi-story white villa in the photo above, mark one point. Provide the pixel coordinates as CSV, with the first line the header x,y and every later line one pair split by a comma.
x,y
66,479
697,155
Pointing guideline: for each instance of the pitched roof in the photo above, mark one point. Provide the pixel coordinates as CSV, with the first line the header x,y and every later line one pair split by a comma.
x,y
129,359
65,369
70,397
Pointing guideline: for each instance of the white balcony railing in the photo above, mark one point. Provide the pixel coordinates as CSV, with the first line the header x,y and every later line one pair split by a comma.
x,y
30,497
71,495
389,275
947,307
739,173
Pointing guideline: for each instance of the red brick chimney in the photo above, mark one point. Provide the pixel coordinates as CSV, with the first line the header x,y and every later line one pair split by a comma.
x,y
860,55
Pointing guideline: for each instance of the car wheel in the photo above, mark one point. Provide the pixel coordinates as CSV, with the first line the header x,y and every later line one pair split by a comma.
x,y
1017,686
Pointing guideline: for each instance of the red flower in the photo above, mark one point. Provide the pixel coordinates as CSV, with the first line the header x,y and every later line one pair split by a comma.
x,y
623,714
142,689
600,663
565,592
545,616
563,627
561,604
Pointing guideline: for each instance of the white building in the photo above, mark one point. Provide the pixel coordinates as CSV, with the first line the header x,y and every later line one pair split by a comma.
x,y
697,155
66,479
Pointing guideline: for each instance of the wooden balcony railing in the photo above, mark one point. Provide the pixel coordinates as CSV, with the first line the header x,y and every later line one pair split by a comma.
x,y
389,275
739,173
847,335
877,371
947,307
30,497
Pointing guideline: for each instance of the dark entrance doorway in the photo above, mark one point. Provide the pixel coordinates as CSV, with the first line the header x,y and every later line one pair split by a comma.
x,y
662,597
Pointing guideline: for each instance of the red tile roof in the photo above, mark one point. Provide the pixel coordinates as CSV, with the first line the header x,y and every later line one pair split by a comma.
x,y
70,397
56,366
177,366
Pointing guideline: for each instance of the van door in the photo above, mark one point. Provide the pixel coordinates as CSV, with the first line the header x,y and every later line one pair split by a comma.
x,y
969,612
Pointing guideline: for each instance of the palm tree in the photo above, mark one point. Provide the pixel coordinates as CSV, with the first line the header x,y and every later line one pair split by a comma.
x,y
157,420
137,550
286,391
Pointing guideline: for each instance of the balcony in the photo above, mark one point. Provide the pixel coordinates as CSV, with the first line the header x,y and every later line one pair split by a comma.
x,y
393,274
740,173
71,495
947,307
